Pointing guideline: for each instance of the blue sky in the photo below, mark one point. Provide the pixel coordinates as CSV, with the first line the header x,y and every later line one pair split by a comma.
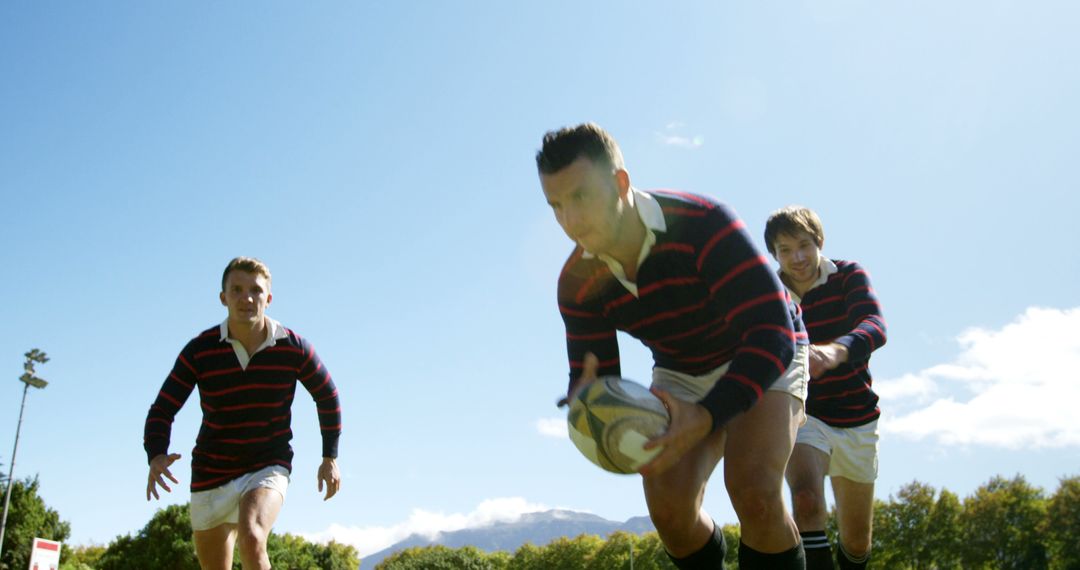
x,y
379,157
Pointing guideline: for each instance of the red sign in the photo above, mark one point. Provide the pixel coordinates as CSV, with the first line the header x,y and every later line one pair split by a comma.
x,y
45,555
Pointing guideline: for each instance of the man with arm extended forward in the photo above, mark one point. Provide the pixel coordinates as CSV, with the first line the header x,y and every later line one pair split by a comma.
x,y
246,370
839,440
679,272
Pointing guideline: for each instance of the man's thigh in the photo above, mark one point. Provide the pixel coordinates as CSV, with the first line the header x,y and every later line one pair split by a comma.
x,y
259,509
759,442
683,485
214,547
854,507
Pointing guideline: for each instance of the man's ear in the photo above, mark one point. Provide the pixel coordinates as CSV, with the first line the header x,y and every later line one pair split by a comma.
x,y
269,298
221,296
622,180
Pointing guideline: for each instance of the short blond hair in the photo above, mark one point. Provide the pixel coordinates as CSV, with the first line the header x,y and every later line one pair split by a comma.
x,y
247,265
790,221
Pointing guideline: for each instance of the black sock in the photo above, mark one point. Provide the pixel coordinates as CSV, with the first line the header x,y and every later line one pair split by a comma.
x,y
750,559
708,557
848,562
818,553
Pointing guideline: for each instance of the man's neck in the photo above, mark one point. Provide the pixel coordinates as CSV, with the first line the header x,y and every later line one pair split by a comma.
x,y
250,335
628,245
800,287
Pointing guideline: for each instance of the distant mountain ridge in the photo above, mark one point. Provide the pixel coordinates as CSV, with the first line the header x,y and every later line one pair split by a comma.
x,y
538,528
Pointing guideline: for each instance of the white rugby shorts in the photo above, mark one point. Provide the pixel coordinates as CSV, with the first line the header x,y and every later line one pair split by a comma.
x,y
852,451
221,505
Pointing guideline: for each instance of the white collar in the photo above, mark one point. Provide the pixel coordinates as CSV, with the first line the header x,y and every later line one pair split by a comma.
x,y
826,267
277,331
650,213
652,216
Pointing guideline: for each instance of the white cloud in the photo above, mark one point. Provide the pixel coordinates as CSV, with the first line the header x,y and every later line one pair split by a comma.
x,y
371,539
680,141
1013,387
669,137
552,427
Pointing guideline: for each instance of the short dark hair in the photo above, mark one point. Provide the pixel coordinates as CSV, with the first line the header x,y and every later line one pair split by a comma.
x,y
790,221
247,265
564,146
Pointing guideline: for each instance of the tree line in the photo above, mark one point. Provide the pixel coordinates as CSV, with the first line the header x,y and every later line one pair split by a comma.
x,y
1004,524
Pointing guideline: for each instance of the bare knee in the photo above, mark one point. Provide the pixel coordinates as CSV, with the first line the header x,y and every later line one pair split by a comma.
x,y
252,543
857,545
670,520
809,505
757,506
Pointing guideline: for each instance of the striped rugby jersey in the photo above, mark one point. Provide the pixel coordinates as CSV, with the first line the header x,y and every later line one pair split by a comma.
x,y
247,417
705,296
845,310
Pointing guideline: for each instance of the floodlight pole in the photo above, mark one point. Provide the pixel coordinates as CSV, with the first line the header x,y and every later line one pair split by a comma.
x,y
28,379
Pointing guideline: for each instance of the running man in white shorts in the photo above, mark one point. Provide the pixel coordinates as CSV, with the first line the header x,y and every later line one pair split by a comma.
x,y
840,438
679,272
246,370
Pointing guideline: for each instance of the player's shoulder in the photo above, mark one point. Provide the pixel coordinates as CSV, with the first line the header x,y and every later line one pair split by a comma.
x,y
686,209
579,275
850,273
845,267
207,336
686,201
292,338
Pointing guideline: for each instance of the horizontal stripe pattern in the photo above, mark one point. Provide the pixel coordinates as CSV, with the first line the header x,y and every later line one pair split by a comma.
x,y
247,414
845,310
706,297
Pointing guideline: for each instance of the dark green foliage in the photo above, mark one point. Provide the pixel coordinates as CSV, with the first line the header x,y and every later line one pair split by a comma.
x,y
81,557
1063,525
290,552
915,530
28,517
442,558
1000,524
164,543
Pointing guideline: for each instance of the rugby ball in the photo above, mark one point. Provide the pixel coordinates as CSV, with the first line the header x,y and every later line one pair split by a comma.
x,y
611,419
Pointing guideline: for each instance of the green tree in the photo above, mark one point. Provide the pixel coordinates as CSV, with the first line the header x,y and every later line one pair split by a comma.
x,y
615,552
898,526
439,557
732,537
1001,524
28,517
81,557
570,552
650,550
1063,525
164,543
290,552
526,557
915,530
946,540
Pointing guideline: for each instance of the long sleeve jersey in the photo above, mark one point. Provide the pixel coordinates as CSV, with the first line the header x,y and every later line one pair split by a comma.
x,y
845,310
247,415
705,297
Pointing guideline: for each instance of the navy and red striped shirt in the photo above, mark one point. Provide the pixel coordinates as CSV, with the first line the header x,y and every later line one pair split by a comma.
x,y
705,297
247,415
844,310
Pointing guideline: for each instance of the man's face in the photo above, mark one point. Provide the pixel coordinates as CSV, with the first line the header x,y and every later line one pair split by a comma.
x,y
586,200
798,256
247,296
